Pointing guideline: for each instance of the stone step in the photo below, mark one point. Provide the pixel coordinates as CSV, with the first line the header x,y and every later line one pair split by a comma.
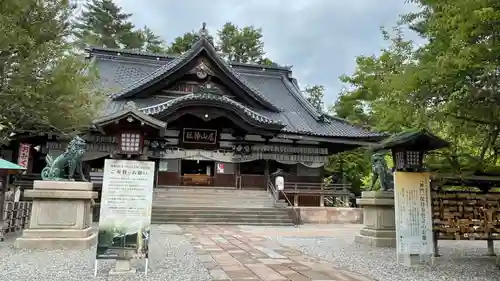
x,y
234,194
241,206
280,215
232,204
224,197
191,194
234,212
223,223
204,199
161,187
220,219
215,209
194,205
202,188
208,193
187,187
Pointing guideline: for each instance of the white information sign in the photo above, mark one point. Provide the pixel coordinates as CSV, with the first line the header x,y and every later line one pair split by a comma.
x,y
412,198
125,217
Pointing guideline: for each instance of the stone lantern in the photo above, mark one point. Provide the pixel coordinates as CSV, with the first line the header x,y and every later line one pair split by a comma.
x,y
409,149
408,152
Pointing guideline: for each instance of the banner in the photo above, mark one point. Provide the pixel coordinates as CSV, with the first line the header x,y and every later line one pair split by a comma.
x,y
220,168
412,201
126,201
23,155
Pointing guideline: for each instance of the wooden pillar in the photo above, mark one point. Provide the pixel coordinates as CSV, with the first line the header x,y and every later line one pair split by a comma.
x,y
238,177
296,200
322,201
266,173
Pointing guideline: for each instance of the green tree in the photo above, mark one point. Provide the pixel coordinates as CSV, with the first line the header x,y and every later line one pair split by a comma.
x,y
449,85
315,95
183,43
351,167
152,42
103,23
43,85
244,45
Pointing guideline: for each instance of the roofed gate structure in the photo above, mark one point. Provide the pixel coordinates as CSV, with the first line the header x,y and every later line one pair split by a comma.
x,y
204,121
226,124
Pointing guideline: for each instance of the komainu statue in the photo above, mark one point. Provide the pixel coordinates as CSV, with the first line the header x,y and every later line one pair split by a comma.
x,y
71,159
381,171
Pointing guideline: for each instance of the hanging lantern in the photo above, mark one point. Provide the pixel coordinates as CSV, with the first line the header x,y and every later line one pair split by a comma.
x,y
131,143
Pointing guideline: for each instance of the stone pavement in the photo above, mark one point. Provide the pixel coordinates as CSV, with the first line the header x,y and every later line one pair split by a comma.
x,y
229,253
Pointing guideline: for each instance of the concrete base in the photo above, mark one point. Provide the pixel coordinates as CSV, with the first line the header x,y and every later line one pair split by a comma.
x,y
122,267
330,215
49,243
412,261
381,242
60,216
378,219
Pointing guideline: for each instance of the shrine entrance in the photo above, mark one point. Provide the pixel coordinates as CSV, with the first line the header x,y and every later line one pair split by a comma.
x,y
197,172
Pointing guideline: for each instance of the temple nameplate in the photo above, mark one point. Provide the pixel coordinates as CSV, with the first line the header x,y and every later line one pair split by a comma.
x,y
202,136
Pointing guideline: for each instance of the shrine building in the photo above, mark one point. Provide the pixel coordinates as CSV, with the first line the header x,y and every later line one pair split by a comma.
x,y
204,121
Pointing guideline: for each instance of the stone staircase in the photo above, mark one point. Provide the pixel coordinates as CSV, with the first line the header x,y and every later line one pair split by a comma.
x,y
202,205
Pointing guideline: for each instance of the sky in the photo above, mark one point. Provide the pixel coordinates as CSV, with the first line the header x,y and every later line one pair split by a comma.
x,y
319,38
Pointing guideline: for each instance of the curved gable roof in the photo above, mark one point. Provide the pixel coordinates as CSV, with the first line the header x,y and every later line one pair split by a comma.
x,y
220,100
122,69
174,65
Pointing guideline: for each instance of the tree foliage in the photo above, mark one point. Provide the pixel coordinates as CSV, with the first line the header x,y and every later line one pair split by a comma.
x,y
102,23
182,44
244,45
43,85
152,42
450,84
235,44
315,95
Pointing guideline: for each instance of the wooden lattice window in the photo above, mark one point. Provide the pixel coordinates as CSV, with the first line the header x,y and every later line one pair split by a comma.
x,y
184,87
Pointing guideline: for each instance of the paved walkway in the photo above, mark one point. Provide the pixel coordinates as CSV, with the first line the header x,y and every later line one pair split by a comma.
x,y
231,254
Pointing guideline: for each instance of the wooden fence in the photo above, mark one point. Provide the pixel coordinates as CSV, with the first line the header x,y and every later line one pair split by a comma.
x,y
314,194
16,217
466,207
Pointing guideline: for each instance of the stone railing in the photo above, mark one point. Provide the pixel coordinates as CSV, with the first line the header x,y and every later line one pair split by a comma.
x,y
16,217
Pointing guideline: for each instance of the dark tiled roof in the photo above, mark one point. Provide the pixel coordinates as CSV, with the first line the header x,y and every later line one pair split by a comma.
x,y
158,108
274,84
413,140
173,65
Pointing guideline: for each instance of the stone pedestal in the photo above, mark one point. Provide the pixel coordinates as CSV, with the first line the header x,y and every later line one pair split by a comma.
x,y
378,219
60,216
122,267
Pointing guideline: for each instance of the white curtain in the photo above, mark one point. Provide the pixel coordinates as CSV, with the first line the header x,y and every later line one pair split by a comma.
x,y
313,165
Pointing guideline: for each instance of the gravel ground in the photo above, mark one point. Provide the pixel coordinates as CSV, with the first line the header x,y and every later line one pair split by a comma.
x,y
172,258
460,260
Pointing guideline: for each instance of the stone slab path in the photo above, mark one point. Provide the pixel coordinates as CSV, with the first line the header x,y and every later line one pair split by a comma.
x,y
229,253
